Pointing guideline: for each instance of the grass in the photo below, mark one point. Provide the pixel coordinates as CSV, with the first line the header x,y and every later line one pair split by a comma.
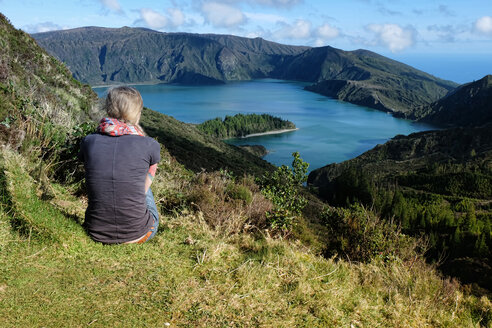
x,y
190,276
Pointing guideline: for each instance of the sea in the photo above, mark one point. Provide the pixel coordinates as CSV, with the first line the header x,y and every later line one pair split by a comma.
x,y
459,68
329,130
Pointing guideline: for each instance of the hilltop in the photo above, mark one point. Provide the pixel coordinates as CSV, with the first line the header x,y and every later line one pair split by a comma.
x,y
468,105
134,55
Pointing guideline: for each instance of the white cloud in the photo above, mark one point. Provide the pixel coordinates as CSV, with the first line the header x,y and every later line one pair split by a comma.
x,y
301,29
42,27
222,15
176,17
483,25
327,32
393,36
153,19
113,5
324,33
279,3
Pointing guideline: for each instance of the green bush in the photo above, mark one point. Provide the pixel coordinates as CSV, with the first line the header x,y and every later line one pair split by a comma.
x,y
282,188
239,192
360,235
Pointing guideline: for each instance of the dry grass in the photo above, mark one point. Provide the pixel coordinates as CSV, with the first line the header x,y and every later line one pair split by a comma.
x,y
228,206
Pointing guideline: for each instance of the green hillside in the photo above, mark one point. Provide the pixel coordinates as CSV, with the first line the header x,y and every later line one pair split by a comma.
x,y
197,150
438,183
216,261
135,55
468,105
365,78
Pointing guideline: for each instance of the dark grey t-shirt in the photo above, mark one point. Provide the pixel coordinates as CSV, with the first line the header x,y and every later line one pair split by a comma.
x,y
115,172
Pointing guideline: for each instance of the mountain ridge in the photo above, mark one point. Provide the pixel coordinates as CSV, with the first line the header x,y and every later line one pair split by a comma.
x,y
126,55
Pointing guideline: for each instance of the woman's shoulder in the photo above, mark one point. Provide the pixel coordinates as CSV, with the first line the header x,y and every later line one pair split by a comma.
x,y
90,137
152,141
144,142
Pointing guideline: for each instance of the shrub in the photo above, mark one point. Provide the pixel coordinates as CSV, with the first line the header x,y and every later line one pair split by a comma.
x,y
361,235
68,168
282,188
239,192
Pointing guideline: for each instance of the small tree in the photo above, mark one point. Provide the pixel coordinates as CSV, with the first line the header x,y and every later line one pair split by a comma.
x,y
282,188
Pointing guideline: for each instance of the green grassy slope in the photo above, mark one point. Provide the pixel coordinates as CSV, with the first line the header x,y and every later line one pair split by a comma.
x,y
197,150
191,275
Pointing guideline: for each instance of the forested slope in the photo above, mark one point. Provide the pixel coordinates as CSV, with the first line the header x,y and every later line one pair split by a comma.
x,y
437,182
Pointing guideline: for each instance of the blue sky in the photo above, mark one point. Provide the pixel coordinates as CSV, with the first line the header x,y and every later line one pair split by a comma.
x,y
396,28
385,26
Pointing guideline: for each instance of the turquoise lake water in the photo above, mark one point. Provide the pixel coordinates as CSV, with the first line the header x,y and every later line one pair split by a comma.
x,y
329,130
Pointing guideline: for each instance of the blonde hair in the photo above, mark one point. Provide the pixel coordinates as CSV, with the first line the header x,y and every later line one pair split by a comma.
x,y
124,104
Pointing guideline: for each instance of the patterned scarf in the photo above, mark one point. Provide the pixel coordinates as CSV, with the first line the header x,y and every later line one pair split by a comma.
x,y
115,128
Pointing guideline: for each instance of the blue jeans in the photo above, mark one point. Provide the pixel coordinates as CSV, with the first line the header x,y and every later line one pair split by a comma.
x,y
149,200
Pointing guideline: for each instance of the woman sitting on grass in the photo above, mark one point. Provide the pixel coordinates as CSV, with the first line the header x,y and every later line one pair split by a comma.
x,y
120,164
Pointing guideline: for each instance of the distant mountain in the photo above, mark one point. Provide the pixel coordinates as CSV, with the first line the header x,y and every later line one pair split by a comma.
x,y
130,55
468,105
365,78
136,55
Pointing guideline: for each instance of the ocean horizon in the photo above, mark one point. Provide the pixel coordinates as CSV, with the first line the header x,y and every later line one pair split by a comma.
x,y
459,68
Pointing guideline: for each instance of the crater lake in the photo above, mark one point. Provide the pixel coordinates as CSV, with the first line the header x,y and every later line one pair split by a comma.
x,y
328,130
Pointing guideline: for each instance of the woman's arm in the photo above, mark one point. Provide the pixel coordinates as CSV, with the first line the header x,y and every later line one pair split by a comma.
x,y
150,177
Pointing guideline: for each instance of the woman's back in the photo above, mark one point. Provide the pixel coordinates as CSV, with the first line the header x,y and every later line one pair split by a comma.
x,y
116,168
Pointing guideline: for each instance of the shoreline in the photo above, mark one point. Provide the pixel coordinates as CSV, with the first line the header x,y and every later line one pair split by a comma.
x,y
267,133
125,84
